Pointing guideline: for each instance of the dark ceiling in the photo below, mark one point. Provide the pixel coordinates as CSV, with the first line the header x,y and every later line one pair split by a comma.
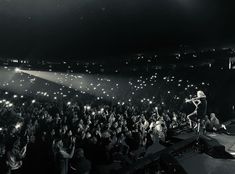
x,y
86,29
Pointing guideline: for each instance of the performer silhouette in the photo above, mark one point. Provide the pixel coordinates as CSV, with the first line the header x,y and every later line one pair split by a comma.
x,y
199,113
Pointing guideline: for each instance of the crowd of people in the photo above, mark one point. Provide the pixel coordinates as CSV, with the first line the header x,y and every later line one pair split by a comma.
x,y
65,138
81,138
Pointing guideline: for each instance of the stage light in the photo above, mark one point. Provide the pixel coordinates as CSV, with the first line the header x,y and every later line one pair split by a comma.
x,y
17,70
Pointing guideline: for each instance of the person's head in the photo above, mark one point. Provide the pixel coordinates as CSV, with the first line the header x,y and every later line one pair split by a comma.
x,y
94,140
65,128
81,121
17,142
129,133
134,118
57,115
59,144
53,132
106,134
200,94
80,153
2,149
88,135
119,129
212,115
115,125
70,133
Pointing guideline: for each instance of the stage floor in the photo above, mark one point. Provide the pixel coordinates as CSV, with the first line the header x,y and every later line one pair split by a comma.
x,y
227,140
196,163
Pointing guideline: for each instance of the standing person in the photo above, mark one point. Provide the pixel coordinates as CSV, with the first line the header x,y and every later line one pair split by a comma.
x,y
199,113
14,157
80,164
62,156
3,160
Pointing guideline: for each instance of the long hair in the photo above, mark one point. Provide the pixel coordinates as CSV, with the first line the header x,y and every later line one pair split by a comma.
x,y
201,94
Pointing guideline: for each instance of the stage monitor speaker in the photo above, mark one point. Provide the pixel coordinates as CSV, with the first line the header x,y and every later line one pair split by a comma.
x,y
213,148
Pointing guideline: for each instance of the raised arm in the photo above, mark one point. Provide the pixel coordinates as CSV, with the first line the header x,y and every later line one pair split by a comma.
x,y
23,151
66,154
